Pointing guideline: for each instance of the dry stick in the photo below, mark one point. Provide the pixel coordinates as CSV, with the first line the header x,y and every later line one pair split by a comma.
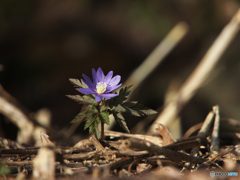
x,y
191,130
201,134
97,144
151,139
204,129
206,125
200,74
17,117
154,59
157,56
214,148
173,155
10,144
44,164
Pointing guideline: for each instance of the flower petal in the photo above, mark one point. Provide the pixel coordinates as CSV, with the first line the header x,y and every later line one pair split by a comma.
x,y
108,77
112,88
86,90
109,96
94,76
115,80
98,98
100,75
88,81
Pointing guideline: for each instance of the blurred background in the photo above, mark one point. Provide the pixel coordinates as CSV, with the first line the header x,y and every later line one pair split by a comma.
x,y
45,42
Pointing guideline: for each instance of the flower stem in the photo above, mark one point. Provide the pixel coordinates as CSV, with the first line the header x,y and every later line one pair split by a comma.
x,y
102,130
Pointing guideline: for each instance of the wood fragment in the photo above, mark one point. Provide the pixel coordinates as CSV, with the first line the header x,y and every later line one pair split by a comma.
x,y
10,144
44,165
185,144
45,140
9,108
151,139
176,156
97,144
214,148
166,135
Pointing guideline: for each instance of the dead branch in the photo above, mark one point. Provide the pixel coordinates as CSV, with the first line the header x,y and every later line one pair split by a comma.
x,y
201,73
152,139
17,117
176,156
214,148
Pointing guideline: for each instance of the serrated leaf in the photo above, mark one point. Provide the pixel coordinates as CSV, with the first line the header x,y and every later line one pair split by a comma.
x,y
120,108
134,108
130,103
94,128
89,99
103,108
78,83
79,117
123,108
123,93
76,98
89,121
104,117
149,112
86,99
120,119
88,111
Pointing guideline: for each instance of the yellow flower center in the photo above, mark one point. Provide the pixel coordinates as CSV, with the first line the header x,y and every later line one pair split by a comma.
x,y
101,87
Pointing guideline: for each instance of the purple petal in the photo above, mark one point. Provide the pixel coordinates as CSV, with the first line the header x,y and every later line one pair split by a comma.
x,y
98,98
100,75
112,88
94,76
115,80
108,96
88,81
108,77
86,91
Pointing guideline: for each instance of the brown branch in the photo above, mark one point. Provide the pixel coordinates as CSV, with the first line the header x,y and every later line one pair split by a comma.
x,y
214,148
200,74
17,116
175,156
152,139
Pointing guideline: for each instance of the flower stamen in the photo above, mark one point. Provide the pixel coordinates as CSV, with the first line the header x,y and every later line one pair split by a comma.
x,y
101,87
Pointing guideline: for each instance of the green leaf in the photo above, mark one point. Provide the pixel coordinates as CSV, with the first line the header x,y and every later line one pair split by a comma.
x,y
89,121
120,119
79,117
77,83
149,111
89,99
86,99
123,93
104,117
76,98
94,128
87,112
3,169
130,103
134,108
103,108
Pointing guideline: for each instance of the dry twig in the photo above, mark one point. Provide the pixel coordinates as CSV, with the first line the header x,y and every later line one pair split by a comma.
x,y
200,74
9,109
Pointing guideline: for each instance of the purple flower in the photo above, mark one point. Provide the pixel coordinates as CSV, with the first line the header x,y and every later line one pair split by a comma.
x,y
101,86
